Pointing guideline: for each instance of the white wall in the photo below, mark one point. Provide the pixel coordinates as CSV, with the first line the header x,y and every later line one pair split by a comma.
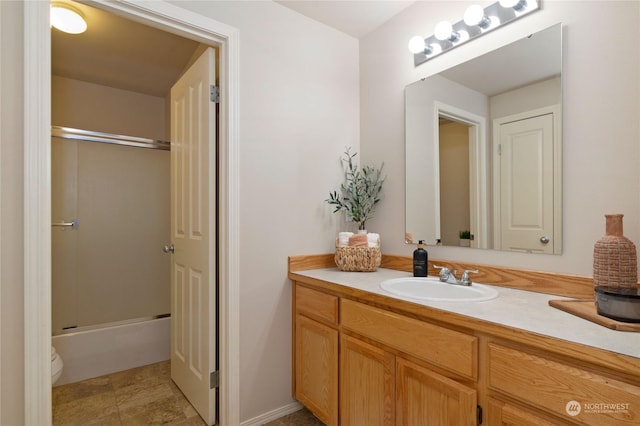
x,y
601,86
299,106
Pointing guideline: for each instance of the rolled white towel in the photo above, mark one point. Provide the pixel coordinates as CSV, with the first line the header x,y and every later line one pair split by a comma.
x,y
343,238
373,239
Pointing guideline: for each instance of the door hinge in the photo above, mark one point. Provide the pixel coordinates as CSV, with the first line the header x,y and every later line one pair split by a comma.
x,y
500,149
214,380
479,414
214,94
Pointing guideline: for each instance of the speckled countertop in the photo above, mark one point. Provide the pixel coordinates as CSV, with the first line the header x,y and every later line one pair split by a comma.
x,y
519,309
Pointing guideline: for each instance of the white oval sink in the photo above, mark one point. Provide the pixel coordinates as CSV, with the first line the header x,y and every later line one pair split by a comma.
x,y
431,288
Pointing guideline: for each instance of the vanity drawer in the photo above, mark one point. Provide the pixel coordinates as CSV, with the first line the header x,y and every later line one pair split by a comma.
x,y
553,386
316,304
451,350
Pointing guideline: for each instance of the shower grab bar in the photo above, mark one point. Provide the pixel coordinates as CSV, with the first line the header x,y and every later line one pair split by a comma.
x,y
74,224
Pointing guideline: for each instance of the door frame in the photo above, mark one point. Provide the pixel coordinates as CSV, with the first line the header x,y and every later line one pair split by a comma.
x,y
478,175
37,193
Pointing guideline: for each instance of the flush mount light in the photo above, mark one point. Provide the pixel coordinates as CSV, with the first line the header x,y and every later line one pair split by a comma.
x,y
477,21
67,19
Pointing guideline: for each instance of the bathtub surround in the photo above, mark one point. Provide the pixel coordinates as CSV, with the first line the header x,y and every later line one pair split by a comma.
x,y
106,350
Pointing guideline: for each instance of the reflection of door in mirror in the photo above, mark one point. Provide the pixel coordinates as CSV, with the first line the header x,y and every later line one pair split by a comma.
x,y
525,184
462,177
455,211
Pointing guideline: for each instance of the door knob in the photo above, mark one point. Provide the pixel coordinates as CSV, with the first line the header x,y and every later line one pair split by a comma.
x,y
544,239
169,249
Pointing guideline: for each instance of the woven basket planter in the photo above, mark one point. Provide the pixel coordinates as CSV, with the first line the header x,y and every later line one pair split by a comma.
x,y
358,259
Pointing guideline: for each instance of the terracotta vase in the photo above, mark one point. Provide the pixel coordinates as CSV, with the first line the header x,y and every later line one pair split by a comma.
x,y
615,262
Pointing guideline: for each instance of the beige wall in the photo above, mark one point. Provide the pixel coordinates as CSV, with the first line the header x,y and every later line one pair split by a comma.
x,y
94,107
601,85
11,216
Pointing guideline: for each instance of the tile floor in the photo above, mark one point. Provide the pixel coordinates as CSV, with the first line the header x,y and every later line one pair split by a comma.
x,y
141,396
138,397
299,418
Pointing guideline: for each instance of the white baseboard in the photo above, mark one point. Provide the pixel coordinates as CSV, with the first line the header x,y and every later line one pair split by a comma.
x,y
272,415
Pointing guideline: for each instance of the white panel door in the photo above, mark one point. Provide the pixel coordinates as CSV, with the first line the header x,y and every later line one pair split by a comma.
x,y
526,184
193,227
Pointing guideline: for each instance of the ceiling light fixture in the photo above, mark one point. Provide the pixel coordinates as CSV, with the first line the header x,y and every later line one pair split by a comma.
x,y
67,19
477,21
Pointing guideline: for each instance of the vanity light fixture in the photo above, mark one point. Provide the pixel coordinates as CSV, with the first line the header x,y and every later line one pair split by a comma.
x,y
477,21
67,19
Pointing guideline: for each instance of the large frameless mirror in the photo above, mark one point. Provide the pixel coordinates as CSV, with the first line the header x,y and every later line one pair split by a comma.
x,y
483,146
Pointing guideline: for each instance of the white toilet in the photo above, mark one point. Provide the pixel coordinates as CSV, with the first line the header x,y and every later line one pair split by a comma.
x,y
56,365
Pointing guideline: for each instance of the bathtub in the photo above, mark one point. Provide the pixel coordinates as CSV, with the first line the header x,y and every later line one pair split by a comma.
x,y
98,351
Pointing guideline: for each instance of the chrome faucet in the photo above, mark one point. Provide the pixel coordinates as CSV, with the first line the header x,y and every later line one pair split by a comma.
x,y
446,276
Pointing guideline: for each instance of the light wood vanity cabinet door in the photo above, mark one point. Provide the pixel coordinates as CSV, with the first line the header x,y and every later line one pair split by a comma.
x,y
575,394
506,414
427,398
316,368
367,384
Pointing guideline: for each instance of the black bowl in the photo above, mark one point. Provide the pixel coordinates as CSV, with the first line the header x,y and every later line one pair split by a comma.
x,y
621,304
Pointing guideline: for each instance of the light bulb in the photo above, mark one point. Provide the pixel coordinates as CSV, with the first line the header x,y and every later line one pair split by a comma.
x,y
473,15
67,20
434,49
416,44
509,3
443,31
517,5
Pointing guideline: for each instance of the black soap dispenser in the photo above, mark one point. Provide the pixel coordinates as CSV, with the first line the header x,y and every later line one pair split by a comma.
x,y
420,258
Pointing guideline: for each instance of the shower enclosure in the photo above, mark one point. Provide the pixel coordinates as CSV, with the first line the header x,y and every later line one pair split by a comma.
x,y
110,220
